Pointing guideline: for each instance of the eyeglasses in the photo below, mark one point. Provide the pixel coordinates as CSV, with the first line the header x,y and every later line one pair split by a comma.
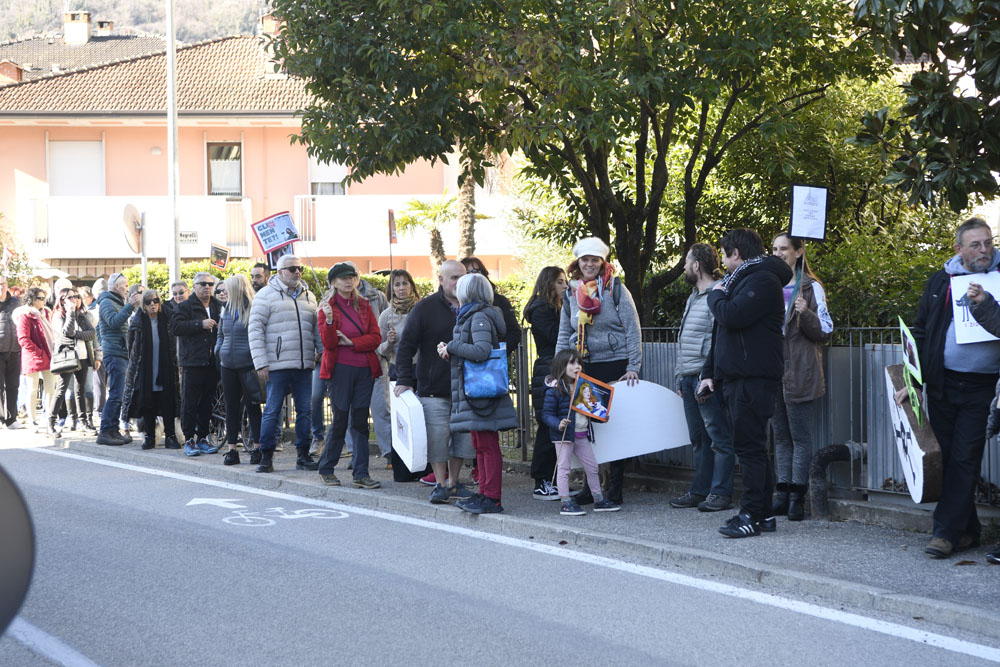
x,y
152,301
204,284
981,245
293,269
179,293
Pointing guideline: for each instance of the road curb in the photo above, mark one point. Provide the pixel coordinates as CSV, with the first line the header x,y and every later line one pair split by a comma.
x,y
683,560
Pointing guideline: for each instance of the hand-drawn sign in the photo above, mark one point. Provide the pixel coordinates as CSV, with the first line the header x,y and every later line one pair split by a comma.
x,y
917,448
967,329
275,231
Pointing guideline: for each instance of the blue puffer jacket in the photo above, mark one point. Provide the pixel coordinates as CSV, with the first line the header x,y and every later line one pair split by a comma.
x,y
554,410
232,348
112,324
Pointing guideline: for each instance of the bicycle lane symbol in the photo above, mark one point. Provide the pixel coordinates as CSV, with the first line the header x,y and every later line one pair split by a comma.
x,y
243,516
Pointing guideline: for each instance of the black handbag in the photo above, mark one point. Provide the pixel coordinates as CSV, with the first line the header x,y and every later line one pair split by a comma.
x,y
66,360
253,388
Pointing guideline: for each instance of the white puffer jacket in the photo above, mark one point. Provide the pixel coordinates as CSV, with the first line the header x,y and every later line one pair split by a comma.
x,y
282,328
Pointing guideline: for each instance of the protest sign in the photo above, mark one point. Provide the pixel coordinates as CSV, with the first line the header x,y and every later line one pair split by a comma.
x,y
648,418
275,232
592,398
808,219
967,329
918,450
219,257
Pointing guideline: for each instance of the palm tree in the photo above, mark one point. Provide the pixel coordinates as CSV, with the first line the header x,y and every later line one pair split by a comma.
x,y
430,216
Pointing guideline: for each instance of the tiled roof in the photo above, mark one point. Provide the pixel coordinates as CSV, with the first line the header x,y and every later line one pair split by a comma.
x,y
221,75
37,55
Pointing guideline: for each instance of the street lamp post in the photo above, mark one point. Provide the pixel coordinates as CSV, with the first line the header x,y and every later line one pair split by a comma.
x,y
173,247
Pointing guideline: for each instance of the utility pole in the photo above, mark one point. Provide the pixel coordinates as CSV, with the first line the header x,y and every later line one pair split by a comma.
x,y
173,173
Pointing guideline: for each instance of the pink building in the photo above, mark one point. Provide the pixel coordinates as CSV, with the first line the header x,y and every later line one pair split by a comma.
x,y
77,147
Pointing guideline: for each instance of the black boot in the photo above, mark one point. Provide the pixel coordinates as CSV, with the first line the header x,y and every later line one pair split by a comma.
x,y
149,442
304,461
796,501
266,461
616,482
780,505
53,430
255,456
170,442
88,423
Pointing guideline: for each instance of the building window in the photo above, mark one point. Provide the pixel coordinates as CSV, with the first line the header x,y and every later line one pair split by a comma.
x,y
326,178
225,169
76,168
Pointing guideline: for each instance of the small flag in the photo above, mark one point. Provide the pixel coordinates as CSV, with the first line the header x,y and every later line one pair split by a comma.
x,y
392,227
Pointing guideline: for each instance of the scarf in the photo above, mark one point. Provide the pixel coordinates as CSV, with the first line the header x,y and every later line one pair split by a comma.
x,y
730,279
46,327
588,298
403,306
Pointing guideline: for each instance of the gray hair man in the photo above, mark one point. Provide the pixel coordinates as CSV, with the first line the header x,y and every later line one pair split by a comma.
x,y
284,344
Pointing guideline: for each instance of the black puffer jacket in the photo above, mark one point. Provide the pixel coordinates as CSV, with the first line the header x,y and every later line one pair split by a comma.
x,y
8,331
139,377
544,320
747,340
195,344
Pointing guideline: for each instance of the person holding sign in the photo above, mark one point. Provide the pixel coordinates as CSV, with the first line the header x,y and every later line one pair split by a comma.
x,y
807,327
960,381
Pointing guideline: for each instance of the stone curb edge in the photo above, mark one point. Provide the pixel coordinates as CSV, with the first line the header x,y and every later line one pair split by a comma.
x,y
683,560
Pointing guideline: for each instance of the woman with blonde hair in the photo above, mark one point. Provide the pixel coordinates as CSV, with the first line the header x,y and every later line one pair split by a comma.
x,y
240,386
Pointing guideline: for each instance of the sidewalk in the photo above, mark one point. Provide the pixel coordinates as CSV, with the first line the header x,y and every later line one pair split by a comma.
x,y
867,567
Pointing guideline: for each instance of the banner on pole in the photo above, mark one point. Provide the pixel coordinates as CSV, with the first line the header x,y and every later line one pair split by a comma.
x,y
392,227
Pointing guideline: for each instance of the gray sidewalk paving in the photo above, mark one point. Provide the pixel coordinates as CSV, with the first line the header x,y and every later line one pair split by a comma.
x,y
844,561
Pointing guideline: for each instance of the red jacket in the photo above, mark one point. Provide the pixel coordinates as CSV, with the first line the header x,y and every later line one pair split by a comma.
x,y
366,342
35,352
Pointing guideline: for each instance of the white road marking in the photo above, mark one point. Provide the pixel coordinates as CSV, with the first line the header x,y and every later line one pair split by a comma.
x,y
808,609
227,503
47,646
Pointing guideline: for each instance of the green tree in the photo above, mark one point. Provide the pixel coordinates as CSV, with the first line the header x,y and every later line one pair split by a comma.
x,y
945,141
575,85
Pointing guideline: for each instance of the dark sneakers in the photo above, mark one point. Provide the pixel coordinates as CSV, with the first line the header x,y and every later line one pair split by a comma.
x,y
715,503
170,442
480,504
686,501
741,525
231,458
149,443
111,438
994,556
605,505
439,496
570,508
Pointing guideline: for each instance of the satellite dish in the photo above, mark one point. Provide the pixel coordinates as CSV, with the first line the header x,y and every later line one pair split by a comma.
x,y
133,228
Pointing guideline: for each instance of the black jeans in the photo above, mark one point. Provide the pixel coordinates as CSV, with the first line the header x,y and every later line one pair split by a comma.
x,y
750,403
958,411
610,371
232,392
62,384
161,404
10,377
198,386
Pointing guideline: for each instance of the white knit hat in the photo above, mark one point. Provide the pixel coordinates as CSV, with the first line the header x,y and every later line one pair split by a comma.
x,y
591,246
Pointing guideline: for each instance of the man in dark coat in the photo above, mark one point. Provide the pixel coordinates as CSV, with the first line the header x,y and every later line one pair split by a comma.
x,y
746,363
195,324
10,357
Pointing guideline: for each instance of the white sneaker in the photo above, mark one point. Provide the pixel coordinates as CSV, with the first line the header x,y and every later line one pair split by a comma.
x,y
14,426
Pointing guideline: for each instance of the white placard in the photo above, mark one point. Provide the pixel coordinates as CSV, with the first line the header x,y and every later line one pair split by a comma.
x,y
967,329
645,418
808,212
910,455
409,431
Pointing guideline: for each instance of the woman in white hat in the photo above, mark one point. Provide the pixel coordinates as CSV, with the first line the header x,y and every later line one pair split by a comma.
x,y
599,319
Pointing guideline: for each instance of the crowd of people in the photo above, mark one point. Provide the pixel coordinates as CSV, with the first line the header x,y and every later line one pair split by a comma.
x,y
750,355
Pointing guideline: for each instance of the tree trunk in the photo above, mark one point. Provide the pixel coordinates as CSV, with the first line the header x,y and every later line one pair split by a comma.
x,y
437,250
467,218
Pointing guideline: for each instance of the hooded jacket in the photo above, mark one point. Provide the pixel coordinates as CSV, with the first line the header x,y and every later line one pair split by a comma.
x,y
283,327
477,331
747,340
35,352
112,327
805,335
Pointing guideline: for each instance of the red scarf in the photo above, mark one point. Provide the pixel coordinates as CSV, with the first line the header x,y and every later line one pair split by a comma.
x,y
588,297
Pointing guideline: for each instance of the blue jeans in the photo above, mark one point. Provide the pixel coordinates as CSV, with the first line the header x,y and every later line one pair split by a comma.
x,y
117,368
318,394
279,383
714,456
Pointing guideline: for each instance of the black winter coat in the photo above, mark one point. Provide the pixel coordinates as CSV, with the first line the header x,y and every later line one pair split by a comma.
x,y
746,339
195,345
139,376
8,332
431,321
544,320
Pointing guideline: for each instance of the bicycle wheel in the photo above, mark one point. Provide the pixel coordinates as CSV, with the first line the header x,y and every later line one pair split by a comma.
x,y
248,520
316,513
217,422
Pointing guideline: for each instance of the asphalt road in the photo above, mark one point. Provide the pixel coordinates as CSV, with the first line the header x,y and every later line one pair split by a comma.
x,y
130,572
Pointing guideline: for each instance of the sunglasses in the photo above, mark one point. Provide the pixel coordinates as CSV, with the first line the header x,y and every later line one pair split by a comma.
x,y
293,269
72,296
204,284
178,293
152,301
220,291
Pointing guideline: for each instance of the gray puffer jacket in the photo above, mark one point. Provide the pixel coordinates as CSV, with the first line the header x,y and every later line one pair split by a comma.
x,y
282,328
695,339
615,333
476,333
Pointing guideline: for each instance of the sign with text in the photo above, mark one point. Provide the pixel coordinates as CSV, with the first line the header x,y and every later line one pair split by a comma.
x,y
187,237
275,231
967,329
808,212
219,257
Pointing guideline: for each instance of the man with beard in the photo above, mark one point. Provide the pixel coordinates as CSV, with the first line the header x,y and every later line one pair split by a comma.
x,y
746,363
714,458
959,382
260,274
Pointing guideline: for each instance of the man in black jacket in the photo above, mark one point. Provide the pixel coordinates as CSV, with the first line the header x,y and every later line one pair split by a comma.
x,y
432,321
746,363
10,357
959,379
195,325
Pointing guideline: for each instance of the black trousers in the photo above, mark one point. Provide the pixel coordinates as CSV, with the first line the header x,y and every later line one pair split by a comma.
x,y
161,404
10,378
198,384
232,392
58,403
611,371
958,411
750,403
